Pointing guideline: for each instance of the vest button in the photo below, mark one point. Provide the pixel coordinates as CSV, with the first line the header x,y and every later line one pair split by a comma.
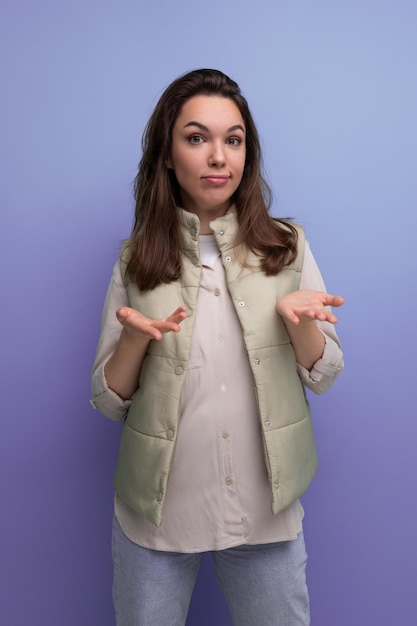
x,y
193,231
179,370
267,423
170,434
258,361
194,260
228,259
159,496
241,303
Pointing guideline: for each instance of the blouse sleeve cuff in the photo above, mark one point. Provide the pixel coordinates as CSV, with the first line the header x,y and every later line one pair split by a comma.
x,y
105,399
325,370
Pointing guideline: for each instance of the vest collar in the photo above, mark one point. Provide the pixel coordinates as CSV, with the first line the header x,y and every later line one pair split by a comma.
x,y
224,228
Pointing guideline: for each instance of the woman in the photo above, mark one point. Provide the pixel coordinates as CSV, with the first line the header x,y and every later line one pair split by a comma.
x,y
215,320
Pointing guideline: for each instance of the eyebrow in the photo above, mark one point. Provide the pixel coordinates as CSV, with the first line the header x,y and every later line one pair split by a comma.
x,y
202,127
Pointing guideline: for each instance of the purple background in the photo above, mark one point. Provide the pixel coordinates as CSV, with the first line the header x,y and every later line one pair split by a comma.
x,y
332,86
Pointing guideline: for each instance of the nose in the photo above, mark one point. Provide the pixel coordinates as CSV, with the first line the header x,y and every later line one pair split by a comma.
x,y
217,157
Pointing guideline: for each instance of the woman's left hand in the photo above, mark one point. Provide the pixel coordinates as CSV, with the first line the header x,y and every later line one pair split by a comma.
x,y
308,305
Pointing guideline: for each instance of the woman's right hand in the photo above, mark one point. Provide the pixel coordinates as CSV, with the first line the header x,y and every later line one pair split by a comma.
x,y
137,325
122,370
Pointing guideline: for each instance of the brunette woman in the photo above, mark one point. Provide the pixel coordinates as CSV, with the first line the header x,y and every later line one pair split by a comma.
x,y
215,321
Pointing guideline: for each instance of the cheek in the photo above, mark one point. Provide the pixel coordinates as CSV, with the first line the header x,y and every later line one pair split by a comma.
x,y
239,159
183,164
239,165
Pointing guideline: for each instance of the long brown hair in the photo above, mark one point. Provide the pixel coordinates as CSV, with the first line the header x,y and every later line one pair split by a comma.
x,y
154,249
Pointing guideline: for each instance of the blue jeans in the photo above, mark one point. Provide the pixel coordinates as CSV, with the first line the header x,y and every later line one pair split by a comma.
x,y
264,585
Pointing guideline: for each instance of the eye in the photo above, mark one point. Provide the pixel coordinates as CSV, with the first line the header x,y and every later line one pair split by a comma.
x,y
195,139
234,141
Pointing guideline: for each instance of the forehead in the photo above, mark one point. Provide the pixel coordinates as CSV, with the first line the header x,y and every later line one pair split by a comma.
x,y
210,110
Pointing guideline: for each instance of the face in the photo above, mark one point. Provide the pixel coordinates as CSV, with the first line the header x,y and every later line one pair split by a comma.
x,y
208,154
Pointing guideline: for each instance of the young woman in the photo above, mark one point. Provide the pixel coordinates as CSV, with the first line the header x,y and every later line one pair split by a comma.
x,y
215,321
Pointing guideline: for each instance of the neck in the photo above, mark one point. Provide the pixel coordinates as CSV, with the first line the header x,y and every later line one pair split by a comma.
x,y
205,228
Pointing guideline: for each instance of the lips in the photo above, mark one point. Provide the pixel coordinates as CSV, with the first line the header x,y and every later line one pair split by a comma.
x,y
216,180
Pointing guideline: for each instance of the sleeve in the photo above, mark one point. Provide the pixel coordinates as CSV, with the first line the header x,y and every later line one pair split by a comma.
x,y
103,398
324,371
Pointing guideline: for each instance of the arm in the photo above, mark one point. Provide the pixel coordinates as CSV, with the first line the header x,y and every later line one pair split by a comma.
x,y
300,311
122,370
124,338
315,342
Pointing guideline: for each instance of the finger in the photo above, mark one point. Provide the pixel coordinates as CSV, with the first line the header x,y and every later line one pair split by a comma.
x,y
135,322
178,316
307,314
123,314
165,326
290,316
335,300
180,310
326,316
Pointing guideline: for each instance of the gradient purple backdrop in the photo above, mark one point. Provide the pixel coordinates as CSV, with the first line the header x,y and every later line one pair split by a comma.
x,y
333,89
